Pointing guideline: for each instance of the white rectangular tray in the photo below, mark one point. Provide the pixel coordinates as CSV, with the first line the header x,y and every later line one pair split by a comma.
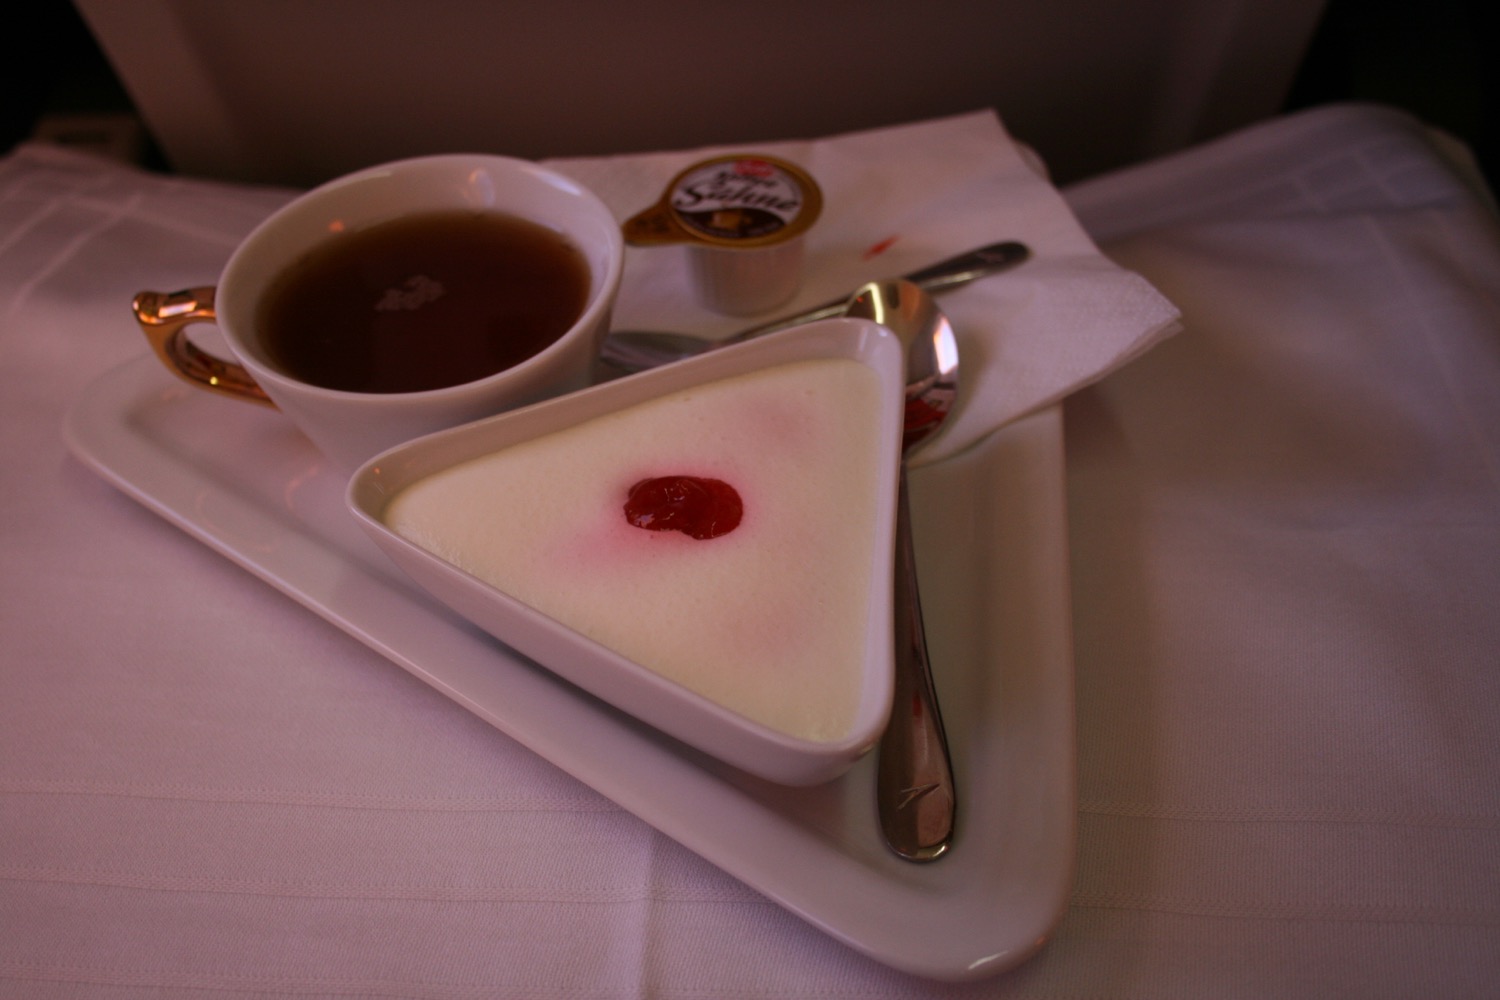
x,y
991,530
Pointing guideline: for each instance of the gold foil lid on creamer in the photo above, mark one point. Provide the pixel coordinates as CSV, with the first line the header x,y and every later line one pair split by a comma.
x,y
742,218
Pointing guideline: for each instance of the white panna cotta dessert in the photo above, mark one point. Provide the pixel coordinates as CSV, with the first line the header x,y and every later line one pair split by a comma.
x,y
596,525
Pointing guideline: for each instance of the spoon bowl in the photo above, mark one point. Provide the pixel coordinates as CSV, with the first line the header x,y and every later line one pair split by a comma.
x,y
931,351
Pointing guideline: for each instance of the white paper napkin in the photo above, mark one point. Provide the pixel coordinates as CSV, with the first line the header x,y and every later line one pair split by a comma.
x,y
896,199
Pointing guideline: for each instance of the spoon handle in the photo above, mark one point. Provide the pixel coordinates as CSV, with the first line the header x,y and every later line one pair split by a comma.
x,y
949,273
914,783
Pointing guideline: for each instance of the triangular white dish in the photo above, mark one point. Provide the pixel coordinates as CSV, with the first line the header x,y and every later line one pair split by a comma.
x,y
768,646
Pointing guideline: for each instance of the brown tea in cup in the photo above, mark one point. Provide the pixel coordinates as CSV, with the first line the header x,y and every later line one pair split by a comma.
x,y
555,276
423,302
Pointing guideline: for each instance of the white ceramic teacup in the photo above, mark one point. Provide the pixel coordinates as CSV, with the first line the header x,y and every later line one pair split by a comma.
x,y
349,427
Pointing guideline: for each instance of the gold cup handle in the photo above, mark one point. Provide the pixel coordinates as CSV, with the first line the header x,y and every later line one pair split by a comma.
x,y
164,318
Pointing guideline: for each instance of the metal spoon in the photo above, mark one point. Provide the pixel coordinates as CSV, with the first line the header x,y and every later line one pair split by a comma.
x,y
914,786
637,350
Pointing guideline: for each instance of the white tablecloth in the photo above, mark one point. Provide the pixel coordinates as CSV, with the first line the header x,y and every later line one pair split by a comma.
x,y
1286,562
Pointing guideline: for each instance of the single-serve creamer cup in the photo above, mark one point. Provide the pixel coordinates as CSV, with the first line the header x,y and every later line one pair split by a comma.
x,y
742,218
351,426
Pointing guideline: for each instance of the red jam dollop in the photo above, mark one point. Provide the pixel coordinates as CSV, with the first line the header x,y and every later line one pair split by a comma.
x,y
699,508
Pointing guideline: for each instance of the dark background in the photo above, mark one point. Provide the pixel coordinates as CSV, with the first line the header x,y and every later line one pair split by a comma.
x,y
1434,58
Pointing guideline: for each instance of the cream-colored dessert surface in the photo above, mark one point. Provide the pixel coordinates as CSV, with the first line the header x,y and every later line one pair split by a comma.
x,y
770,619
